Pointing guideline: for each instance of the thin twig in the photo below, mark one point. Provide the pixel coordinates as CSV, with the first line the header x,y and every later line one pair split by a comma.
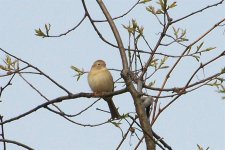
x,y
94,26
70,30
182,91
127,12
125,136
198,11
16,143
79,113
74,122
41,72
9,83
178,60
2,133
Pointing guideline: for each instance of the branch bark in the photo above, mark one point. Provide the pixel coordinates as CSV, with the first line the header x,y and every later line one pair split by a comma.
x,y
126,74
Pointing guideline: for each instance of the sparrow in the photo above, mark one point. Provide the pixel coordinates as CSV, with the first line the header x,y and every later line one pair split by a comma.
x,y
101,80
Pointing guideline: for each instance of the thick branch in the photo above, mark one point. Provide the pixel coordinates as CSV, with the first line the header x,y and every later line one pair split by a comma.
x,y
127,77
62,98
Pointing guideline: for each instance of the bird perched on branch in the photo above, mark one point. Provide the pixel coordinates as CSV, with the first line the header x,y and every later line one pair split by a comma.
x,y
101,80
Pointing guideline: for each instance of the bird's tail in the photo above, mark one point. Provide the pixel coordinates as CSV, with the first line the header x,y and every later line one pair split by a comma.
x,y
113,110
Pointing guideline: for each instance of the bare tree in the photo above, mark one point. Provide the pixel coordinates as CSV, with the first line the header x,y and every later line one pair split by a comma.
x,y
139,66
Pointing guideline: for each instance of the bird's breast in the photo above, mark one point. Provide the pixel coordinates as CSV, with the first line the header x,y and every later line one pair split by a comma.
x,y
100,81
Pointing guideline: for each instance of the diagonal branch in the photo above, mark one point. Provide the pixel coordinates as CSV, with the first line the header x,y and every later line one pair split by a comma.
x,y
41,72
178,60
198,11
126,74
70,30
127,12
16,143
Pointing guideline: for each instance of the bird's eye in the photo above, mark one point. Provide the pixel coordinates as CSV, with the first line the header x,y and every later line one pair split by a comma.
x,y
98,64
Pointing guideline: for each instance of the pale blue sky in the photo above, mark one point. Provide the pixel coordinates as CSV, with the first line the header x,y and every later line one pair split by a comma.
x,y
197,118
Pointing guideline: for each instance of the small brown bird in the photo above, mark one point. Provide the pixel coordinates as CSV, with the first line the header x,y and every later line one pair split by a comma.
x,y
100,80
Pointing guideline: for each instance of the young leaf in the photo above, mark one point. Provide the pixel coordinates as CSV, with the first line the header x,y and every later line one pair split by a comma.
x,y
39,32
79,72
117,124
223,70
8,60
129,29
199,47
163,4
75,69
196,57
151,9
152,83
144,1
174,4
199,147
209,49
175,32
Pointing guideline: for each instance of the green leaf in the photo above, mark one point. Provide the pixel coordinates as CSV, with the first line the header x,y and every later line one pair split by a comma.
x,y
152,83
3,68
223,70
208,49
117,124
162,62
159,11
151,9
183,33
10,65
199,147
144,1
164,67
175,32
163,4
154,63
39,32
215,84
129,29
79,72
8,60
125,115
199,47
75,69
184,39
141,30
196,57
174,4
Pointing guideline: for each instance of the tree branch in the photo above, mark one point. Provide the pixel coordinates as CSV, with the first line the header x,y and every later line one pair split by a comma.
x,y
127,77
2,132
127,12
41,72
70,30
62,98
198,11
16,143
